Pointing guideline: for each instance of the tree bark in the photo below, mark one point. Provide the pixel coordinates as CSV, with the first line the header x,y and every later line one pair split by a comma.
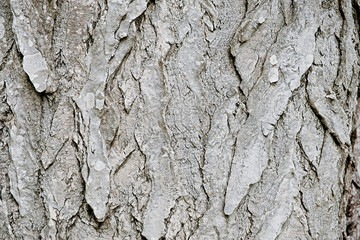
x,y
179,119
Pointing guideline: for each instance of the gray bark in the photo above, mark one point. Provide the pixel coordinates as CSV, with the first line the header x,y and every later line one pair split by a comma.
x,y
179,119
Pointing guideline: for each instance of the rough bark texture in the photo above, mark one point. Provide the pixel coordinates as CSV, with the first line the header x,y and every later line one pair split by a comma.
x,y
179,119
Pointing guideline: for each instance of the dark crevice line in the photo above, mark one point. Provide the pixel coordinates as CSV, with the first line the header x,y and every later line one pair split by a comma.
x,y
146,170
341,11
350,188
242,96
201,172
57,153
249,232
322,146
6,57
238,23
339,47
233,150
171,213
119,25
126,159
324,124
317,113
285,224
305,211
110,81
306,157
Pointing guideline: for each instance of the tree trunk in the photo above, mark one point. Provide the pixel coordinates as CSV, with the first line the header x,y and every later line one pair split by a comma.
x,y
179,119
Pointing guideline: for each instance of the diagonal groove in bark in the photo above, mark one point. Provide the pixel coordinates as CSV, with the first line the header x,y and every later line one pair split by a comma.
x,y
318,115
284,225
233,149
5,59
306,157
127,157
305,211
241,92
